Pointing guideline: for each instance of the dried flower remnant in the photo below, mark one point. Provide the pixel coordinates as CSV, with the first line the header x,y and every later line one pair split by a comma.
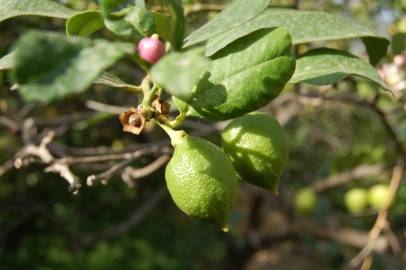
x,y
133,121
161,107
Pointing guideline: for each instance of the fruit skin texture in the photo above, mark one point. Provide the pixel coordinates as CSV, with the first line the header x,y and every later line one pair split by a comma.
x,y
306,201
378,196
356,200
202,181
258,148
151,49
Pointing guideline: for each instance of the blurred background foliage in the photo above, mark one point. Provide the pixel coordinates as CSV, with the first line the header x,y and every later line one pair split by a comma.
x,y
42,225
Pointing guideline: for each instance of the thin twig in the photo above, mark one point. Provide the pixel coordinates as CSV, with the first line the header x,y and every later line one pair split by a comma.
x,y
381,220
364,103
23,158
347,176
130,175
102,107
8,165
106,175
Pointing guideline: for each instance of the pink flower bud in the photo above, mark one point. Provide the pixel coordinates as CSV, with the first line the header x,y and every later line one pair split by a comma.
x,y
151,49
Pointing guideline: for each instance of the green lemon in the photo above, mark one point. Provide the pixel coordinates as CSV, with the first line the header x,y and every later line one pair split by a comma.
x,y
202,181
378,196
356,200
306,201
258,148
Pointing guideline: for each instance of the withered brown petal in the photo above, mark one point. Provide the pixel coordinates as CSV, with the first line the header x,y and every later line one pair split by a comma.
x,y
132,121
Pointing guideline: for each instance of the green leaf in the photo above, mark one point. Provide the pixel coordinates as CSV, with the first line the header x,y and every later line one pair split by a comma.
x,y
127,20
179,72
398,43
113,13
84,23
163,26
109,7
46,8
177,22
326,66
142,20
245,76
237,14
304,27
376,48
49,66
7,61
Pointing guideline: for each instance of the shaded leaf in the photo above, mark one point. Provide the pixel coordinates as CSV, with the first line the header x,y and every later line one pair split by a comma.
x,y
177,22
46,8
142,20
245,76
7,61
131,21
179,72
326,66
237,14
49,66
305,27
163,26
84,23
125,19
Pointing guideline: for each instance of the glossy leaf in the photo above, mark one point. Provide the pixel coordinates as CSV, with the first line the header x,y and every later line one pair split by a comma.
x,y
7,61
84,23
305,27
245,76
237,14
179,72
114,12
125,19
142,20
46,8
177,22
326,66
49,66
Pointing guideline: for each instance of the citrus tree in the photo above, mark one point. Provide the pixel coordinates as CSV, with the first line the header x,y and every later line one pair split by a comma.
x,y
221,73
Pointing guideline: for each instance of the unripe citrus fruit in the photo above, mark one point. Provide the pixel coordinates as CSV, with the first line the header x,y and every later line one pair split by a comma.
x,y
202,181
151,49
258,148
306,201
356,200
378,196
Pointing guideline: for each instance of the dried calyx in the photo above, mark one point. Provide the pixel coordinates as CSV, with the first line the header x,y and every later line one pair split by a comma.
x,y
161,107
133,120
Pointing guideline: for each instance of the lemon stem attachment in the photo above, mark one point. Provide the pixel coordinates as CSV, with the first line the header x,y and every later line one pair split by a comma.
x,y
177,136
178,120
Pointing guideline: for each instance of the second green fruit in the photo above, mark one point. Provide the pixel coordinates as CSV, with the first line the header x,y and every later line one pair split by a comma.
x,y
258,148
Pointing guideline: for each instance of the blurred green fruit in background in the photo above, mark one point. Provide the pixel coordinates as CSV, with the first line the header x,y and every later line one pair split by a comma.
x,y
356,200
